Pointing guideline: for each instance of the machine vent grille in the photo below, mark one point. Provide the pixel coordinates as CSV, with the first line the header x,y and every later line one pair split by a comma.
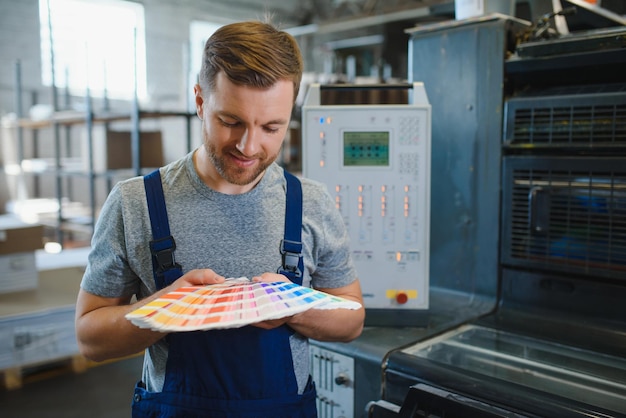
x,y
567,121
567,220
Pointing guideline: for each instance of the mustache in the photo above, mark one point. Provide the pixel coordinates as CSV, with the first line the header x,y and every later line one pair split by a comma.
x,y
238,154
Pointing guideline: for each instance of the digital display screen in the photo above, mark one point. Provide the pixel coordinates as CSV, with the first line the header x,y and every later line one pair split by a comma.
x,y
366,149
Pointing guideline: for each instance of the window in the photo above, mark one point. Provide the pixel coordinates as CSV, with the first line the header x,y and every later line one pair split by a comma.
x,y
199,32
97,44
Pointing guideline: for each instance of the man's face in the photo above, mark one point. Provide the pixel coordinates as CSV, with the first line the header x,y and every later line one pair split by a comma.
x,y
243,130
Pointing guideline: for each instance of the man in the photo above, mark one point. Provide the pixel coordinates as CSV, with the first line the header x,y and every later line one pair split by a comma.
x,y
225,203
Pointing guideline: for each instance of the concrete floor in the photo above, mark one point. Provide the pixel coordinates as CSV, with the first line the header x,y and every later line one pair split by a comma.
x,y
103,391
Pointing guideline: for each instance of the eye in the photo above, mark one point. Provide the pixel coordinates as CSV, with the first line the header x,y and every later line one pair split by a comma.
x,y
229,123
271,129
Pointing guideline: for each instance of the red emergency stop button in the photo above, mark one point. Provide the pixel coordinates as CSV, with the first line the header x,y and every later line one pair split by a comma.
x,y
402,298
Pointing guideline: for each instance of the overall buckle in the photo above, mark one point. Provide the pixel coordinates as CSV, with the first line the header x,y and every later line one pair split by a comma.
x,y
162,250
291,252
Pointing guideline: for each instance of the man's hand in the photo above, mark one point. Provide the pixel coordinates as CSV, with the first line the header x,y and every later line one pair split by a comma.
x,y
102,330
198,277
270,278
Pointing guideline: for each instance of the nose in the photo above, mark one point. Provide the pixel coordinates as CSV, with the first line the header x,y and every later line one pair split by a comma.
x,y
248,145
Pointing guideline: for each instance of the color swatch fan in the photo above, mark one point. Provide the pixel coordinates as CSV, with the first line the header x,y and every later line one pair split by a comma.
x,y
232,304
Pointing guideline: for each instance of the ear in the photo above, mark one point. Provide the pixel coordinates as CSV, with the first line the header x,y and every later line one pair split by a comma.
x,y
197,90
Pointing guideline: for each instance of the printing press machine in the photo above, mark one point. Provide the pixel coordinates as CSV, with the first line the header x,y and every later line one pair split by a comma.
x,y
527,241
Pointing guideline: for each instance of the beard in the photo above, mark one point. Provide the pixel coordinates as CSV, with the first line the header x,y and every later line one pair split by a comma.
x,y
233,174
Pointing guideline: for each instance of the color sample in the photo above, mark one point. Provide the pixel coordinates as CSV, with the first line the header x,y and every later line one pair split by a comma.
x,y
232,304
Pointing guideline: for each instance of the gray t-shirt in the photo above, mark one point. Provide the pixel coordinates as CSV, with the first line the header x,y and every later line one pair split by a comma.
x,y
235,235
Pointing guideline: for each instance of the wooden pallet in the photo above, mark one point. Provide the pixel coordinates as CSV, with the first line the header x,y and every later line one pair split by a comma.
x,y
16,377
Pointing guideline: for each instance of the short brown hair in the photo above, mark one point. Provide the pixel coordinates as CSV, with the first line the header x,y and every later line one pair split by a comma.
x,y
253,54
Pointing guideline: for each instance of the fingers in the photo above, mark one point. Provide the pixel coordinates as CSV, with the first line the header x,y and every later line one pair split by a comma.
x,y
270,277
201,277
271,323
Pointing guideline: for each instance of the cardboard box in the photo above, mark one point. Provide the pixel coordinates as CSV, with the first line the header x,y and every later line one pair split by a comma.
x,y
18,272
119,153
112,150
38,326
17,236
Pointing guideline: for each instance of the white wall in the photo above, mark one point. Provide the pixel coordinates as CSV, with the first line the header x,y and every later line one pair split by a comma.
x,y
167,32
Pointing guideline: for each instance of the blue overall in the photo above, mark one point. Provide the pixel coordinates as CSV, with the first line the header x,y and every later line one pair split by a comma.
x,y
208,373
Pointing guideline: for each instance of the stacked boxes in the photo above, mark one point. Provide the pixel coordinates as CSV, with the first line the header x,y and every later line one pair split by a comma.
x,y
36,307
37,326
18,242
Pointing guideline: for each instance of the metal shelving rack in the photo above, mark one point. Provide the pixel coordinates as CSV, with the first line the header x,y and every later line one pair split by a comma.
x,y
62,166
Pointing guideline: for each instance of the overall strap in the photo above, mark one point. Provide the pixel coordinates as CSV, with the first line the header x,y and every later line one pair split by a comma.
x,y
162,246
291,245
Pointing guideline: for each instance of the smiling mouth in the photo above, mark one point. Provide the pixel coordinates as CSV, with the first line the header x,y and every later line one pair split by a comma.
x,y
241,160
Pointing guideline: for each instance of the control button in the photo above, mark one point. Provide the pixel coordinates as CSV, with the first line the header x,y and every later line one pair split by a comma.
x,y
342,379
402,298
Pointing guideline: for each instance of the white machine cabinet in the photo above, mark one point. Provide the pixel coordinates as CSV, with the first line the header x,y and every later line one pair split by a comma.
x,y
375,161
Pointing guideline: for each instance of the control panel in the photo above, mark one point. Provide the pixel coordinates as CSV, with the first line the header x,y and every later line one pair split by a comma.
x,y
375,162
333,374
